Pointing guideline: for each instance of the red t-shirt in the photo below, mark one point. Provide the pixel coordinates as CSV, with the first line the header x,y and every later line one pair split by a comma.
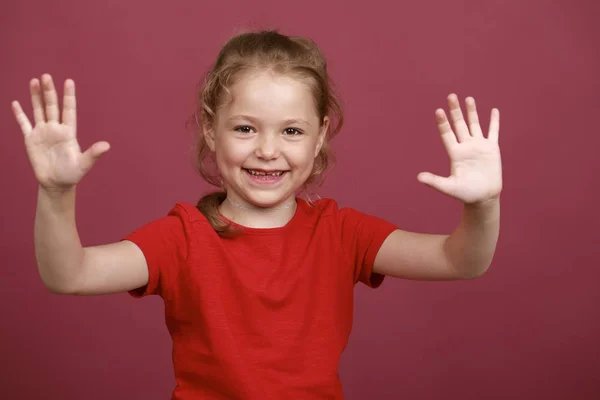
x,y
264,315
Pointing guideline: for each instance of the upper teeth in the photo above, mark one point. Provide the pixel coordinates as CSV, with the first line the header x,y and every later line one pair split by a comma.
x,y
265,173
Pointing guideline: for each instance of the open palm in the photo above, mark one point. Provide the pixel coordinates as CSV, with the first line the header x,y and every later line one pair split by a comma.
x,y
51,145
475,162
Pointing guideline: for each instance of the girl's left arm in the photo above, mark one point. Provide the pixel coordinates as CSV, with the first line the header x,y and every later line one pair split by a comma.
x,y
475,180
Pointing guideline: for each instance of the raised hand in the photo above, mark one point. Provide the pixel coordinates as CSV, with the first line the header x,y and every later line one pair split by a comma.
x,y
475,163
52,147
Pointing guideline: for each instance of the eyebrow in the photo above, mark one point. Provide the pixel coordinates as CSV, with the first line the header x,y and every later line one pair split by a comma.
x,y
255,120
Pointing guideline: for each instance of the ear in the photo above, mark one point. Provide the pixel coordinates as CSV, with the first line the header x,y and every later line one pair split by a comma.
x,y
209,136
322,135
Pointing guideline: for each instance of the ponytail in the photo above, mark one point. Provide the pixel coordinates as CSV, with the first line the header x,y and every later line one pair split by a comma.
x,y
208,205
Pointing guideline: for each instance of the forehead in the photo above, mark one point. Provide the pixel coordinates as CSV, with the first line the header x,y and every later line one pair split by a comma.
x,y
269,95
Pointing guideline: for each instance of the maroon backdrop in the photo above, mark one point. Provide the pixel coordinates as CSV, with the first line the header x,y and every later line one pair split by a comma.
x,y
527,329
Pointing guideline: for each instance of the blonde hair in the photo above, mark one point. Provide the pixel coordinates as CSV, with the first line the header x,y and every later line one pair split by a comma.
x,y
293,56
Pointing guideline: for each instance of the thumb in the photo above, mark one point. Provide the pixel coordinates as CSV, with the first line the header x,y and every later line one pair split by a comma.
x,y
435,181
93,154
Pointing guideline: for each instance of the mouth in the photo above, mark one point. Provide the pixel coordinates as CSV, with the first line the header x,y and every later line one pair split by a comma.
x,y
263,176
260,172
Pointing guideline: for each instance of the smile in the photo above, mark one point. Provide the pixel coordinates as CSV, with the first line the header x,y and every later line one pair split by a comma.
x,y
264,173
264,177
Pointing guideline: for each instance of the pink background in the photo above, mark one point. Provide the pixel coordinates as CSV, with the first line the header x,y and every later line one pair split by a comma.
x,y
528,329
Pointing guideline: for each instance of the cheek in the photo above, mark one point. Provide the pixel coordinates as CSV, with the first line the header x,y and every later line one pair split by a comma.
x,y
302,158
231,154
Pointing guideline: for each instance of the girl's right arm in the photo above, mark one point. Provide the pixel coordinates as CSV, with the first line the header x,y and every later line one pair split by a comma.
x,y
65,266
68,268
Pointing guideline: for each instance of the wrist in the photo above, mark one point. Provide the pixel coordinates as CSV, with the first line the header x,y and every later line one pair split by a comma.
x,y
54,193
483,204
483,211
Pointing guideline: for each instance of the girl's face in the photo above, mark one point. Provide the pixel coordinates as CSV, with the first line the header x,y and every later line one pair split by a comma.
x,y
266,138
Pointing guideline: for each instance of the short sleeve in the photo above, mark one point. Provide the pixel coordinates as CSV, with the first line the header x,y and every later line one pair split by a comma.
x,y
164,246
362,237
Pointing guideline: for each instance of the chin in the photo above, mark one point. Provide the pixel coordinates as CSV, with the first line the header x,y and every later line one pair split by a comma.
x,y
268,199
266,192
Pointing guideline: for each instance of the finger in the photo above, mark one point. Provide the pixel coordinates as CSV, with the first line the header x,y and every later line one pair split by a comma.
x,y
93,154
494,125
437,182
69,114
50,98
460,126
473,118
22,119
39,115
448,137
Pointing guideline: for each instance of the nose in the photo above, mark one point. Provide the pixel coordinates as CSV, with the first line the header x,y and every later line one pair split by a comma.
x,y
268,146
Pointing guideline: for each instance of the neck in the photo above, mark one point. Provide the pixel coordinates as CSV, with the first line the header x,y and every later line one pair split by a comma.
x,y
252,216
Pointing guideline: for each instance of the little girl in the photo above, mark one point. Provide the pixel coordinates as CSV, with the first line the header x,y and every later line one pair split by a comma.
x,y
257,282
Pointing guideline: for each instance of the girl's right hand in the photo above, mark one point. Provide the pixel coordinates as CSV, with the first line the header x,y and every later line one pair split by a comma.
x,y
51,145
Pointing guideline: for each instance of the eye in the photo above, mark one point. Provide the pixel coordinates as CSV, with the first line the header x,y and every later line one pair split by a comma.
x,y
292,132
245,129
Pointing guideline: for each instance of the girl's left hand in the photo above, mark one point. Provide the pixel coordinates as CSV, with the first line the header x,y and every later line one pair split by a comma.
x,y
475,164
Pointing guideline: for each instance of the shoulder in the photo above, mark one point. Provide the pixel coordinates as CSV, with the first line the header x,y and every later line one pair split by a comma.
x,y
345,217
328,207
329,210
178,222
322,205
323,209
175,219
186,212
189,215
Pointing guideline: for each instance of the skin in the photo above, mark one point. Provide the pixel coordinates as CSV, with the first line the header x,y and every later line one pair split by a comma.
x,y
476,181
267,140
262,139
270,123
